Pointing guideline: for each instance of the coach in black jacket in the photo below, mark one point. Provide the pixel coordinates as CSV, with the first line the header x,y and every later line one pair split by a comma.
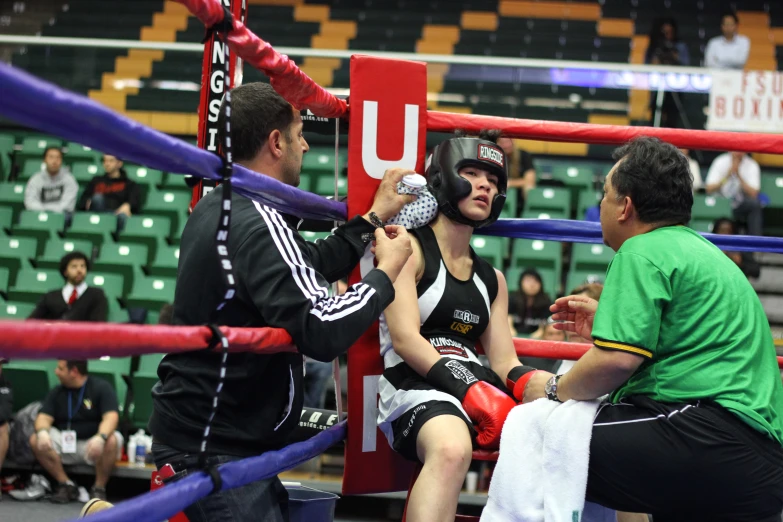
x,y
281,282
75,301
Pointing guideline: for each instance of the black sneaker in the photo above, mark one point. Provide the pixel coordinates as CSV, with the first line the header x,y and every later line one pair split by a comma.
x,y
64,493
99,493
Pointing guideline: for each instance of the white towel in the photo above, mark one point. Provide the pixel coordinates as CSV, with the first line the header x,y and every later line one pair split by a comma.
x,y
541,474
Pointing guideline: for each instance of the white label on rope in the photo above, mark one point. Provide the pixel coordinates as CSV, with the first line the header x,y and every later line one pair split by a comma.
x,y
370,416
373,165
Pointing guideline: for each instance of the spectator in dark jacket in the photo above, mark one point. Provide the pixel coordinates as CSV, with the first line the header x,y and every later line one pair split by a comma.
x,y
528,307
75,301
112,192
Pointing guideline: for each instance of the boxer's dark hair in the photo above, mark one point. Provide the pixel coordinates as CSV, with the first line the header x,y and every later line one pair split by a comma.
x,y
256,110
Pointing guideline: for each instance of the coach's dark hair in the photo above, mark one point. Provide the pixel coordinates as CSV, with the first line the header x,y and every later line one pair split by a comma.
x,y
657,178
81,366
67,258
732,14
256,110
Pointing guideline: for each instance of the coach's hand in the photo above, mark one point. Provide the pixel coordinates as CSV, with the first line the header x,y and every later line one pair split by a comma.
x,y
576,313
392,249
388,203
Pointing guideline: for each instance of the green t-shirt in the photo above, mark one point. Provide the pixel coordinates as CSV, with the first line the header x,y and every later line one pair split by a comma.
x,y
672,297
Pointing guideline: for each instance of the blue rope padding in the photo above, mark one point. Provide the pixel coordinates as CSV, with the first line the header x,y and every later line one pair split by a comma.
x,y
169,500
39,104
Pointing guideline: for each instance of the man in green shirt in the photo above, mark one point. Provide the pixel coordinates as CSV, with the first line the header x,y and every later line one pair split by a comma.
x,y
694,425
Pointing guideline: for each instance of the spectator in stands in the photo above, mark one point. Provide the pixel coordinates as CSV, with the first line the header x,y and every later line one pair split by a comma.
x,y
552,334
737,176
54,189
698,184
521,171
75,301
665,48
528,307
112,192
6,413
77,425
744,260
729,51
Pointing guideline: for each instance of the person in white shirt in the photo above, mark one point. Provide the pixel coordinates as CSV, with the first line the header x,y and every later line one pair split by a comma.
x,y
693,165
729,51
737,176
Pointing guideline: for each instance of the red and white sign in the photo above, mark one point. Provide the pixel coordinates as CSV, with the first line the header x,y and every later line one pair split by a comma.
x,y
746,101
387,129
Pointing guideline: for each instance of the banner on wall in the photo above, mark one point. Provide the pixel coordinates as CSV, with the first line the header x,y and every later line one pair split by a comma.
x,y
749,101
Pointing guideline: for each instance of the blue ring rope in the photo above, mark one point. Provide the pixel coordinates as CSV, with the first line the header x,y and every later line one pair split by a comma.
x,y
169,500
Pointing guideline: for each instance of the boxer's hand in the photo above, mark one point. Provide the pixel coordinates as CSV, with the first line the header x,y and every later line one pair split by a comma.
x,y
392,249
388,203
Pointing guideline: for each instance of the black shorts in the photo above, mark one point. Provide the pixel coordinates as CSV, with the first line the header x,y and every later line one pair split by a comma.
x,y
406,427
684,462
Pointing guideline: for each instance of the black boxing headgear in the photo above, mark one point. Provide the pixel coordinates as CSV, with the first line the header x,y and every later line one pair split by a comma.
x,y
449,188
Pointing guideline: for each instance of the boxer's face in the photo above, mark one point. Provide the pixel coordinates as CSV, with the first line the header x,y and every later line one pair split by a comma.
x,y
478,205
295,147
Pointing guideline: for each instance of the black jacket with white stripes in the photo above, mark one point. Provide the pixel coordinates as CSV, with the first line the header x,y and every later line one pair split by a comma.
x,y
281,281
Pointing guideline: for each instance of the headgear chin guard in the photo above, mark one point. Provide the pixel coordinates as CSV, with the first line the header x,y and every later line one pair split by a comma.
x,y
449,188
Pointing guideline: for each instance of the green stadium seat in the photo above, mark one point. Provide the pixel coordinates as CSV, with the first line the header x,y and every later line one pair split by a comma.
x,y
169,204
534,253
79,152
314,236
153,317
772,186
142,398
146,230
166,261
147,179
549,278
510,208
7,142
30,381
112,370
318,161
544,214
111,284
16,253
125,259
701,225
84,171
96,228
18,311
55,249
175,183
579,277
6,218
547,199
32,284
588,199
34,147
5,275
39,225
30,168
591,257
306,182
490,249
574,174
117,314
148,363
151,292
325,186
176,236
12,196
710,207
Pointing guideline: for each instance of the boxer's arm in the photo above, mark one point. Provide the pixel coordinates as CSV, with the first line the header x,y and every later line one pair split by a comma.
x,y
335,256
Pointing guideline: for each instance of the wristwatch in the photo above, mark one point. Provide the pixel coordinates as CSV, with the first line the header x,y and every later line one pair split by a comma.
x,y
550,388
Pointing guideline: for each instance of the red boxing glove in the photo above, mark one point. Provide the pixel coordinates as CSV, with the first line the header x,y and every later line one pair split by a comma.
x,y
486,405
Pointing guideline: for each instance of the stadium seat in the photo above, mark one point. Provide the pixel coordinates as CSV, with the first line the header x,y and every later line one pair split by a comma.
x,y
39,225
319,161
147,179
112,370
701,225
56,248
6,218
548,199
13,310
710,207
510,208
579,277
534,253
169,204
30,168
544,214
146,230
125,259
96,228
5,275
16,253
588,199
591,257
111,284
33,147
7,142
32,284
148,363
79,152
84,171
30,380
166,261
151,292
12,196
772,186
175,183
142,397
117,314
311,236
490,249
324,186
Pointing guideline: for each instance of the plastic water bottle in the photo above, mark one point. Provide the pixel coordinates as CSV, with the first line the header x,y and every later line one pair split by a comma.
x,y
132,450
141,451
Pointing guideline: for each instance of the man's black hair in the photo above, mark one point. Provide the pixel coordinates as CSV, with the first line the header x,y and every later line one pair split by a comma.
x,y
256,110
67,258
81,366
657,178
732,14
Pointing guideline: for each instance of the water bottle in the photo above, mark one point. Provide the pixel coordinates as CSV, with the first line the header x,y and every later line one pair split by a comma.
x,y
141,452
132,450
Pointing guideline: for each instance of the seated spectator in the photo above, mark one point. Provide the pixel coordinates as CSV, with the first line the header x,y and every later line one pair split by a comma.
x,y
665,48
737,176
54,189
729,51
77,424
744,260
6,413
112,192
528,307
521,171
75,301
693,165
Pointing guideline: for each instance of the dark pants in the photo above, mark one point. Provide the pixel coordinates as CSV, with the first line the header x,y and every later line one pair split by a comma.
x,y
751,213
262,501
98,204
684,462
